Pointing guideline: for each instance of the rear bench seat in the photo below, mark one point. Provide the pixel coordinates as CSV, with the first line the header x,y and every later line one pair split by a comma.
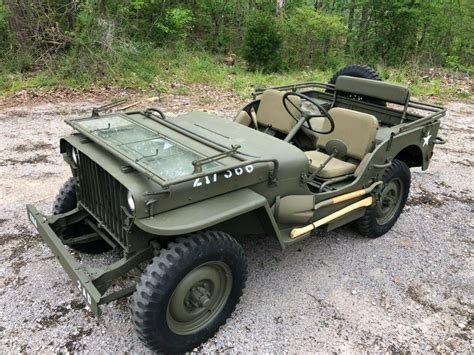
x,y
388,92
381,90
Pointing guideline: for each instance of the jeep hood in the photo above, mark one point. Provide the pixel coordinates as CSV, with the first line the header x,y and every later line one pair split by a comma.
x,y
168,148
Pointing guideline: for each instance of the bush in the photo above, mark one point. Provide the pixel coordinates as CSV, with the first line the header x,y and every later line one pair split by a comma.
x,y
262,43
176,27
4,31
313,38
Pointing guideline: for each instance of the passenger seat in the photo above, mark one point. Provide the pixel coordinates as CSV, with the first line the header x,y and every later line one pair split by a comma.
x,y
357,130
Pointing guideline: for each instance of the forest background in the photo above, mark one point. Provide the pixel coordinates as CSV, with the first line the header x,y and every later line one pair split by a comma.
x,y
167,45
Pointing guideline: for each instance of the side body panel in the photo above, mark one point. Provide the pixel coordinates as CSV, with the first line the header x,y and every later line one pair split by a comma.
x,y
202,214
238,213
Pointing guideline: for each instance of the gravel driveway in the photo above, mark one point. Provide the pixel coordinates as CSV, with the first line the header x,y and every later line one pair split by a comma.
x,y
411,290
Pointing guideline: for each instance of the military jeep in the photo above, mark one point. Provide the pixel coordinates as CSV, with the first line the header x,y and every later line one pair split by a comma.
x,y
173,193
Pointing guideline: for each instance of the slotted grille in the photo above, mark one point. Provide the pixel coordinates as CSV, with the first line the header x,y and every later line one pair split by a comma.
x,y
102,195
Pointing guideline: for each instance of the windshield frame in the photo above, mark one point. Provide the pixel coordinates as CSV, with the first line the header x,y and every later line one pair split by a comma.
x,y
137,163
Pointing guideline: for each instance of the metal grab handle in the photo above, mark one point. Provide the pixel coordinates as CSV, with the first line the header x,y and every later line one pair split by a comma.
x,y
439,140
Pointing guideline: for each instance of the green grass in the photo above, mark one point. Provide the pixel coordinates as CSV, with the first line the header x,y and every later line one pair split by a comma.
x,y
169,70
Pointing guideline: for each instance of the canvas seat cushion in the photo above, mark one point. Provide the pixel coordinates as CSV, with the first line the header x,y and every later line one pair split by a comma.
x,y
356,129
272,112
334,168
243,118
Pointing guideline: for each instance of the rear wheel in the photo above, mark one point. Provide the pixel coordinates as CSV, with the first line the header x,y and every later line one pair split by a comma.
x,y
381,217
66,201
189,291
358,71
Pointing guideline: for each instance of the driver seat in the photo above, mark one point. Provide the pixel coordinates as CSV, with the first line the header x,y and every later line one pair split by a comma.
x,y
356,130
272,113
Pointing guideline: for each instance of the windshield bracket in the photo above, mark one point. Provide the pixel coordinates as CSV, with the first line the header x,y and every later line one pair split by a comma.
x,y
97,110
148,156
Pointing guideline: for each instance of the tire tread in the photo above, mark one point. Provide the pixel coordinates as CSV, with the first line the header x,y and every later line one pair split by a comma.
x,y
363,70
162,270
367,225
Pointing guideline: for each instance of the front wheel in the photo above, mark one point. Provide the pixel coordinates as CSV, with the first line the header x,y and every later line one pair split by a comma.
x,y
188,291
381,217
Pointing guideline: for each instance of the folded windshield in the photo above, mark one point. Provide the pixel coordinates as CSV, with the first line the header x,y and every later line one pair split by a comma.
x,y
158,154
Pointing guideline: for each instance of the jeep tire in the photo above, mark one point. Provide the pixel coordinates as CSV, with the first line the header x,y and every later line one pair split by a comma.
x,y
380,217
188,291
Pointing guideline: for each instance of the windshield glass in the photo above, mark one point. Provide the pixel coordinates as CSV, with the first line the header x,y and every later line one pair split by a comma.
x,y
153,151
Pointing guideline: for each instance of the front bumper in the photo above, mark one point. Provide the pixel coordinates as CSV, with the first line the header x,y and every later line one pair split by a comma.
x,y
78,274
92,283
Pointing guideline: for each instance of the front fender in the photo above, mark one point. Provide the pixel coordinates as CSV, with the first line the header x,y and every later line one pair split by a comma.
x,y
203,214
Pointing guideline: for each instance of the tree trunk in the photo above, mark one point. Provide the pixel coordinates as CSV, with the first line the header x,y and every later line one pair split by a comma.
x,y
279,5
350,20
71,13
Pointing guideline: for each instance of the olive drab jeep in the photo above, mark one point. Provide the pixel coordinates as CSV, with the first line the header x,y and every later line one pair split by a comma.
x,y
173,193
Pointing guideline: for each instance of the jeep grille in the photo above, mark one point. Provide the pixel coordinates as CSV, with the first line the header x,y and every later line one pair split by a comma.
x,y
102,196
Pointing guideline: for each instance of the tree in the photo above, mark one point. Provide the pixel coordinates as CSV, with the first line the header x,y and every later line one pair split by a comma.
x,y
262,43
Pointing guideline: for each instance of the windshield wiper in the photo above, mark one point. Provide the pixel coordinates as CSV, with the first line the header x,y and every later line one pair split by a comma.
x,y
199,163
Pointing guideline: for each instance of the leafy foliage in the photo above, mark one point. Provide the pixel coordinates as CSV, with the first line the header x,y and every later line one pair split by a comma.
x,y
313,38
4,15
176,27
91,39
397,32
262,43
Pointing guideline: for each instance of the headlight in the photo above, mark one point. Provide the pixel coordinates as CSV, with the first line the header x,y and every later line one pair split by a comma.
x,y
130,202
74,155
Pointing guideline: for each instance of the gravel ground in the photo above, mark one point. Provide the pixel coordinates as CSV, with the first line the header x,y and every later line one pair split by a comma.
x,y
411,290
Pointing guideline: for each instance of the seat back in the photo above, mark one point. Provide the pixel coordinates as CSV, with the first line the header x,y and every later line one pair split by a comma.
x,y
243,118
356,129
373,88
272,112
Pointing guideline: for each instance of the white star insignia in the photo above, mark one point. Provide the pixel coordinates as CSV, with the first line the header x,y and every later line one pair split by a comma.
x,y
426,140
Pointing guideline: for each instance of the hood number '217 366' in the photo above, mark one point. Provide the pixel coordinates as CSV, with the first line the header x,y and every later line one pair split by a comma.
x,y
210,179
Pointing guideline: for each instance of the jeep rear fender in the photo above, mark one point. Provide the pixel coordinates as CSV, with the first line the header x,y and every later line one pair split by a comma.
x,y
208,213
411,156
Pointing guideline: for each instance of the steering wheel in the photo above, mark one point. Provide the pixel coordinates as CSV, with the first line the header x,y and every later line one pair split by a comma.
x,y
306,115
